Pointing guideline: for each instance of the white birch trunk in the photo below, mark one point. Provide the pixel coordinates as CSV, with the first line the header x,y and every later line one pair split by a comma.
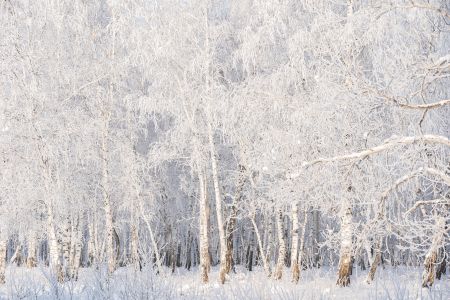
x,y
282,247
134,248
203,237
111,254
154,246
302,240
92,244
17,256
66,247
32,253
75,249
294,248
266,264
55,257
3,245
345,261
219,212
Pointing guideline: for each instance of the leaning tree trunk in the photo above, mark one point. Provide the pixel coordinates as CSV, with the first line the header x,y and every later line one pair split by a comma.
x,y
17,256
282,247
266,264
376,260
219,212
294,249
345,261
154,245
3,245
442,263
431,257
203,236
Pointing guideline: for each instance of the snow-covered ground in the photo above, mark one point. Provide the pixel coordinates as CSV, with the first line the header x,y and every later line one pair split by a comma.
x,y
398,283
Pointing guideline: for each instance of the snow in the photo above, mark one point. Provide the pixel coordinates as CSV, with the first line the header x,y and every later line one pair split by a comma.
x,y
391,283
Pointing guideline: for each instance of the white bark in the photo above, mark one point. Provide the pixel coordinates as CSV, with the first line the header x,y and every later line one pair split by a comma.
x,y
204,220
66,246
294,249
266,264
302,240
281,247
111,240
346,233
75,249
135,248
32,253
92,244
3,245
154,245
219,212
54,253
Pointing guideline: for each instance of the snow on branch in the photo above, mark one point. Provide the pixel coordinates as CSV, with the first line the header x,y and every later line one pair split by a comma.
x,y
427,202
423,106
407,177
390,143
396,101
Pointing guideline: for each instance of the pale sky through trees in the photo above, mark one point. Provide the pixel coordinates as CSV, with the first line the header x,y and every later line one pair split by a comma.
x,y
224,149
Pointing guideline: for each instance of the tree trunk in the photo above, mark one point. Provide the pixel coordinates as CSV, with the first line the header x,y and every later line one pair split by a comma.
x,y
111,253
66,247
135,248
75,249
376,261
294,249
282,247
3,246
345,261
55,258
431,257
442,263
31,258
219,212
92,244
232,221
204,220
316,237
154,246
302,242
261,248
17,256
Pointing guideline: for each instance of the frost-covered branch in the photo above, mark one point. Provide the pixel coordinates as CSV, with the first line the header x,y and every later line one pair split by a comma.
x,y
393,142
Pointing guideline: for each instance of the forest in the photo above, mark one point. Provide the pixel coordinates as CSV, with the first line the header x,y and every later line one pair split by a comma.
x,y
224,149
